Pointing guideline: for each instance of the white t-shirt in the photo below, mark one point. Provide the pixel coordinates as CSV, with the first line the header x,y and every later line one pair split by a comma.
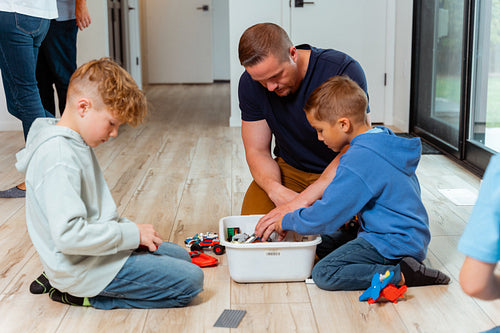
x,y
66,10
37,8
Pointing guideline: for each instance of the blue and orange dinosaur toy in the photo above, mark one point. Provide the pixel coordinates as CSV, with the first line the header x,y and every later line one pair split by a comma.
x,y
380,287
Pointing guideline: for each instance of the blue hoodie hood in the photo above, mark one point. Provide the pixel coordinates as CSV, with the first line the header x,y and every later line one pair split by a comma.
x,y
402,153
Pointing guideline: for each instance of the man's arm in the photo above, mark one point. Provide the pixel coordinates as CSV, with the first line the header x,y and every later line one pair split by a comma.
x,y
478,279
265,171
306,198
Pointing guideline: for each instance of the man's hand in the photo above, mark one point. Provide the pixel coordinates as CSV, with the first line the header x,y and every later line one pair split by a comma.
x,y
82,14
149,237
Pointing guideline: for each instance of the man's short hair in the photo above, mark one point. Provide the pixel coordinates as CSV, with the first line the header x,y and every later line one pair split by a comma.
x,y
114,85
262,40
337,97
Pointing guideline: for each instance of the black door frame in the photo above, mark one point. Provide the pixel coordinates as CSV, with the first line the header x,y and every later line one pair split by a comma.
x,y
469,154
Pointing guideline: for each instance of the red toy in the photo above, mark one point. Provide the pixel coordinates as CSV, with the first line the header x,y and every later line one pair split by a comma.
x,y
203,260
391,293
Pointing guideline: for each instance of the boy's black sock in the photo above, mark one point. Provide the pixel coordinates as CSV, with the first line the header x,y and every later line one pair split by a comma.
x,y
416,274
41,285
66,298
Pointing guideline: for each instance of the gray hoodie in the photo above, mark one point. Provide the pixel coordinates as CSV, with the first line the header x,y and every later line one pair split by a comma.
x,y
70,213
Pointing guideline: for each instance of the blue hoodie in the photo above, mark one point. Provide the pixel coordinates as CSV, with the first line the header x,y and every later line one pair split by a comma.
x,y
376,180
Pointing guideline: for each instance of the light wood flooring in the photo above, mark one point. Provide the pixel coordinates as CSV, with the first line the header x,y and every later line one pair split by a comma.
x,y
182,171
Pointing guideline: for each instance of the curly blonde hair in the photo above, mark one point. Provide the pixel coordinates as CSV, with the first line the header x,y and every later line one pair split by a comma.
x,y
116,87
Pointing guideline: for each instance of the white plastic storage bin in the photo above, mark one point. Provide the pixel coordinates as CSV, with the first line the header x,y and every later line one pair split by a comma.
x,y
289,260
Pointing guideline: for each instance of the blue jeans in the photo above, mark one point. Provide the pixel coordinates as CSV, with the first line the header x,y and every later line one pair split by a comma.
x,y
20,38
163,279
351,266
56,63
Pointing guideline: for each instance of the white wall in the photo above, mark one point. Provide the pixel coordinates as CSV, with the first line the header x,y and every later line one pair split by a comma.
x,y
242,15
402,64
7,121
143,33
92,43
220,39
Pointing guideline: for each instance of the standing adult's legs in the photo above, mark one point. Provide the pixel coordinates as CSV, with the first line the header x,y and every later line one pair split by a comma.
x,y
20,38
56,63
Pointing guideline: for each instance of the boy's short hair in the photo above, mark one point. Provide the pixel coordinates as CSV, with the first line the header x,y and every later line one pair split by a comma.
x,y
262,40
337,97
116,87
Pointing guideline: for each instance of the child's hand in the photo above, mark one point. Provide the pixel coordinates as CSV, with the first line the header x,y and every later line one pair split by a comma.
x,y
280,231
265,228
149,237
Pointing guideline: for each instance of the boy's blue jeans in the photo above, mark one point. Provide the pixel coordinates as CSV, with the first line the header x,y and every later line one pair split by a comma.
x,y
163,279
351,266
20,39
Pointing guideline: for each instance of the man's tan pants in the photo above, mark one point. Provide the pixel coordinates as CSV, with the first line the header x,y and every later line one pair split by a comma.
x,y
256,200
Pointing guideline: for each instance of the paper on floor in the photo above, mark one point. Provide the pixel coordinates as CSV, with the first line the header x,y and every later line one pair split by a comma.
x,y
460,196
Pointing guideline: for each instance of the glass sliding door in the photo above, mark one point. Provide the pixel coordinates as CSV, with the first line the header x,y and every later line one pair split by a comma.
x,y
439,50
456,77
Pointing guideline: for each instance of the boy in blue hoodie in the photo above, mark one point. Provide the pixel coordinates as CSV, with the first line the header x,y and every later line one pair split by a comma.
x,y
376,181
90,254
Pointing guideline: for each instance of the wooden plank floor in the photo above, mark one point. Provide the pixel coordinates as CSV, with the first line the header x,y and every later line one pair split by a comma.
x,y
182,171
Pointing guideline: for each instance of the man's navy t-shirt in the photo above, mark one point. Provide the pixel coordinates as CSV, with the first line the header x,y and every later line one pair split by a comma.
x,y
296,141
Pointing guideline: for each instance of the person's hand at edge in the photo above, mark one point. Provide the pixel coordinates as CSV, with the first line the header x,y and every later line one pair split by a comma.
x,y
82,14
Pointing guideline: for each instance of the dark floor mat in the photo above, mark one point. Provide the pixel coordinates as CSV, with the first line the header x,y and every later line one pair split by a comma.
x,y
230,318
426,148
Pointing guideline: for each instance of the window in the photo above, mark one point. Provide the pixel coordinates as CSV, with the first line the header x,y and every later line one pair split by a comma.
x,y
456,77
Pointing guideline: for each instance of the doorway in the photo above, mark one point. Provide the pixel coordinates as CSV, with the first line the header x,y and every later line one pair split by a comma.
x,y
124,36
179,41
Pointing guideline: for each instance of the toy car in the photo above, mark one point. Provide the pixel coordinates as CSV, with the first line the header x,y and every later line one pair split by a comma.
x,y
200,241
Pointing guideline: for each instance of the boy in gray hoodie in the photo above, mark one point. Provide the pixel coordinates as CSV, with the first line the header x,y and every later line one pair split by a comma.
x,y
90,255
